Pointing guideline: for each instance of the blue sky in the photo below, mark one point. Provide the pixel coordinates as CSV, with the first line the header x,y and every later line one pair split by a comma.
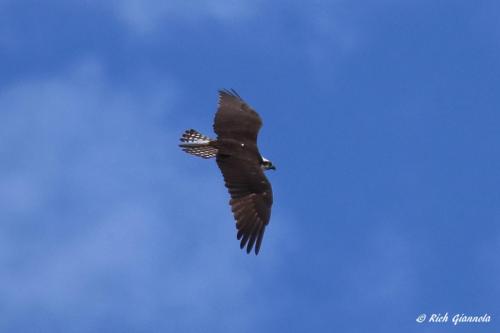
x,y
381,116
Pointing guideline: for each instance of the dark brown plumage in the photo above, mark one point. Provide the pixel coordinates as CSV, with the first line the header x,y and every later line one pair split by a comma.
x,y
237,126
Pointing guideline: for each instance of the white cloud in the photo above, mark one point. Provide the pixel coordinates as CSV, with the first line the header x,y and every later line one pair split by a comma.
x,y
95,207
146,16
334,34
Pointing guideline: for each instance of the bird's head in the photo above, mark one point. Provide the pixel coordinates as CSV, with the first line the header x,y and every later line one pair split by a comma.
x,y
267,165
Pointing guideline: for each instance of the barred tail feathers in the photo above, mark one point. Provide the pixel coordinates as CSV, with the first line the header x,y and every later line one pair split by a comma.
x,y
197,144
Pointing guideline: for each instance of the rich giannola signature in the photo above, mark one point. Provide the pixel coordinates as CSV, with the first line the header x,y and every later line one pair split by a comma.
x,y
456,319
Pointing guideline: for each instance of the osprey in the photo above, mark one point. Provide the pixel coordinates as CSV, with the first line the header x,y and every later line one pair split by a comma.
x,y
235,150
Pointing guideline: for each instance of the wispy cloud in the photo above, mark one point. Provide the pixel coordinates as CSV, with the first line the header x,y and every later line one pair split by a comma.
x,y
95,207
146,16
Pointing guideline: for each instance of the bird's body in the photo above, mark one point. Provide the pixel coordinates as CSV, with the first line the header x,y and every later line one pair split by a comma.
x,y
235,149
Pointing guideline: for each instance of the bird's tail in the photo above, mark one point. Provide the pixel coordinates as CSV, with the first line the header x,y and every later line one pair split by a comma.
x,y
195,143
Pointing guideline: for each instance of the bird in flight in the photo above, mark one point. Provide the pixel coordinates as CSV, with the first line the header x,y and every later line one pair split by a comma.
x,y
235,150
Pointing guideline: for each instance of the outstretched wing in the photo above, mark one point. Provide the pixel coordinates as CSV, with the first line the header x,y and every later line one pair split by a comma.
x,y
251,198
235,119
